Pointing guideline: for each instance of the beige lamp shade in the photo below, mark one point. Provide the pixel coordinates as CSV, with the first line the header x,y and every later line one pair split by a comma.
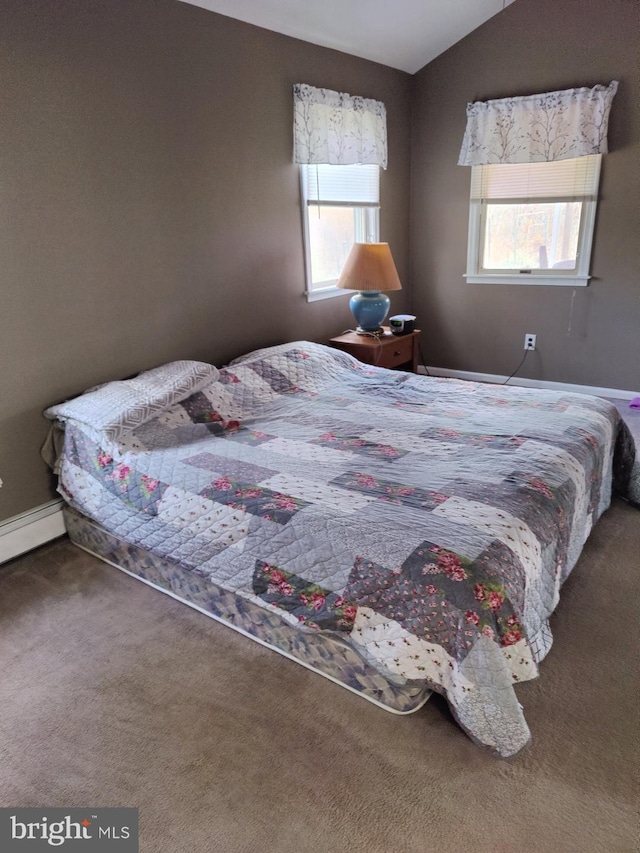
x,y
369,267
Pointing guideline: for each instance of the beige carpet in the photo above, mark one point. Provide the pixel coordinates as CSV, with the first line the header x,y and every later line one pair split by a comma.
x,y
114,694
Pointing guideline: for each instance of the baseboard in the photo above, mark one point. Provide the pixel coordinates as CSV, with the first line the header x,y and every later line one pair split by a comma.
x,y
594,390
30,529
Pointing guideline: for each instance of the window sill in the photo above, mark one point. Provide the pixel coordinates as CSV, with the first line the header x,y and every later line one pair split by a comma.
x,y
326,293
555,280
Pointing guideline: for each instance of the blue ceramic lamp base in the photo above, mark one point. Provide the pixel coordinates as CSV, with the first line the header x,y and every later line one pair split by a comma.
x,y
369,309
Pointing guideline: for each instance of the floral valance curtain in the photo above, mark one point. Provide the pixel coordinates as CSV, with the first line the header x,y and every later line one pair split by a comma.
x,y
538,128
338,129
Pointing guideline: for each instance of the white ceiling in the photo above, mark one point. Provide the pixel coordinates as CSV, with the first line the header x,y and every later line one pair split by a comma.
x,y
404,34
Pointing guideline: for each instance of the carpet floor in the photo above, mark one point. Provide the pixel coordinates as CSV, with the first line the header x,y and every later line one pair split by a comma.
x,y
116,695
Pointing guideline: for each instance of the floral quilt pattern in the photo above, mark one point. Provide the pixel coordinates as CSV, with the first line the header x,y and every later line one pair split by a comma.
x,y
429,523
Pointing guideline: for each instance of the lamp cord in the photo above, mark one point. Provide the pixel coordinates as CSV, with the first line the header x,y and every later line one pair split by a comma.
x,y
422,358
526,353
375,335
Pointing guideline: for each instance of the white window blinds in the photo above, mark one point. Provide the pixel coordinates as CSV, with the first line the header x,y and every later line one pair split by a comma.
x,y
342,185
568,179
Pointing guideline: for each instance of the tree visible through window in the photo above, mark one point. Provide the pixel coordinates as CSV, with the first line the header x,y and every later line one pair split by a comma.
x,y
531,236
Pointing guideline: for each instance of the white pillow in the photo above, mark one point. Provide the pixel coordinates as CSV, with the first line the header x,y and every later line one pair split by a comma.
x,y
119,407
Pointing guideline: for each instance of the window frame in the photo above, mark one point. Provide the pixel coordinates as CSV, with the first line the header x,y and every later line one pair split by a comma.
x,y
577,277
367,230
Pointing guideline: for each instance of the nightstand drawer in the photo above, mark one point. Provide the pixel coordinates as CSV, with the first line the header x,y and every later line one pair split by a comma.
x,y
385,351
398,351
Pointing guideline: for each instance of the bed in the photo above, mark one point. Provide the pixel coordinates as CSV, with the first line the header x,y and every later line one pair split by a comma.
x,y
396,533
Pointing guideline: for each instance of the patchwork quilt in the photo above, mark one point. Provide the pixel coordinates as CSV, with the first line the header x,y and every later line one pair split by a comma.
x,y
430,522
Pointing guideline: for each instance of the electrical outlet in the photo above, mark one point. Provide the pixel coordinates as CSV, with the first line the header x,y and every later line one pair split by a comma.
x,y
529,342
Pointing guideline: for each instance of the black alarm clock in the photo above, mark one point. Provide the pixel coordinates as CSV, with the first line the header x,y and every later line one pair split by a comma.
x,y
402,324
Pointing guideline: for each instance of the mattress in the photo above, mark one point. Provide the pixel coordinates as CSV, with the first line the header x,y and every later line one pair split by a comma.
x,y
423,527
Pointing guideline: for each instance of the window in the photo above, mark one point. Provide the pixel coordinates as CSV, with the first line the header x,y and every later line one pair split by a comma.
x,y
340,207
532,223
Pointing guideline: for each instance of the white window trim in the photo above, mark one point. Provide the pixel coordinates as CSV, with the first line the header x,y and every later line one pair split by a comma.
x,y
570,278
328,289
328,292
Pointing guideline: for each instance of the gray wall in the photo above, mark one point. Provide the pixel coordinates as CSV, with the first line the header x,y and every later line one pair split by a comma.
x,y
589,335
150,207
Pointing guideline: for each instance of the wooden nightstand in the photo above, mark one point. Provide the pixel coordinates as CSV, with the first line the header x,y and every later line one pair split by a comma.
x,y
399,352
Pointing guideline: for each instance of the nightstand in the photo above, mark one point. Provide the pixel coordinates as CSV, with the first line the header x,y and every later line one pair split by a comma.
x,y
399,352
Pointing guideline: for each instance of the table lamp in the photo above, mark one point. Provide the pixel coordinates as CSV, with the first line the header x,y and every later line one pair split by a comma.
x,y
370,270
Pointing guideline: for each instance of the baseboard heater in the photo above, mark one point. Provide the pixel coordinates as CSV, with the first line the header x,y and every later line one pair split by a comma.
x,y
30,529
